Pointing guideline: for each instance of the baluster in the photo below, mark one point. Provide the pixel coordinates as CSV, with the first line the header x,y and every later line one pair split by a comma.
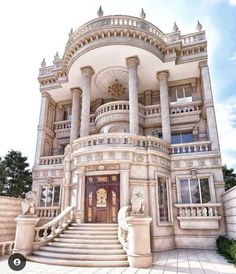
x,y
199,211
45,234
37,235
53,230
215,211
60,225
210,211
204,211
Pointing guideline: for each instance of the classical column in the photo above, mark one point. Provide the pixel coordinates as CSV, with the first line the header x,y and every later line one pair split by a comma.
x,y
87,73
132,63
209,106
124,185
67,182
75,113
41,127
81,193
162,76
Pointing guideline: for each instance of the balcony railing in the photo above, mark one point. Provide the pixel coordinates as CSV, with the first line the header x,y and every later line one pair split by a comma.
x,y
186,107
191,147
122,139
62,125
52,160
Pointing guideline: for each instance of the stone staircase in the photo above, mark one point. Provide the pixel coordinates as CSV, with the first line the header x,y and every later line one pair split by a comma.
x,y
84,245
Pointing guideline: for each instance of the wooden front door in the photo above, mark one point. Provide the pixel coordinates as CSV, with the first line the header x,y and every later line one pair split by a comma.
x,y
102,198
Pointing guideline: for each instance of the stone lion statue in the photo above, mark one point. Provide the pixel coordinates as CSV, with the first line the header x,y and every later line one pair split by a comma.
x,y
137,202
28,204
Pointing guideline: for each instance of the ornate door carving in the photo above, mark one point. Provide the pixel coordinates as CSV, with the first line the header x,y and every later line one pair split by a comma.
x,y
102,200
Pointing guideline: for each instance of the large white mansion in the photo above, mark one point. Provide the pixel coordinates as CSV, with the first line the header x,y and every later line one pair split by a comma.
x,y
129,108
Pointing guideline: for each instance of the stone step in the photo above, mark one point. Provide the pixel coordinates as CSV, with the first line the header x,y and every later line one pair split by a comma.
x,y
86,241
95,224
83,263
91,232
82,251
96,237
85,246
87,257
92,228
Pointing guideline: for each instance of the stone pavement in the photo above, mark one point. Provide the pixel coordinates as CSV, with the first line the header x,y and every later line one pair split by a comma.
x,y
175,261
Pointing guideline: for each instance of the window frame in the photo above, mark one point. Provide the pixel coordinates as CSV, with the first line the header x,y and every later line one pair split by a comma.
x,y
53,193
199,176
169,200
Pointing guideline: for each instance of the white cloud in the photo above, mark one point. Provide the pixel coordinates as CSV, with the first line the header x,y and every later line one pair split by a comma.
x,y
233,58
232,2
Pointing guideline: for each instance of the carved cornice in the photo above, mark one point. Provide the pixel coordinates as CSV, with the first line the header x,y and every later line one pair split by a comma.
x,y
132,60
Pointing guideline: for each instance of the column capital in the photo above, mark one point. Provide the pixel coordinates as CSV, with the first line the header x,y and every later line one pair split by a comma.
x,y
132,60
46,94
203,64
87,70
76,89
162,75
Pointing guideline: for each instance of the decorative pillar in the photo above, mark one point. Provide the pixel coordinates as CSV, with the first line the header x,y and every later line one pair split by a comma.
x,y
81,194
41,127
87,73
25,233
67,182
209,106
75,113
124,185
132,63
162,76
139,252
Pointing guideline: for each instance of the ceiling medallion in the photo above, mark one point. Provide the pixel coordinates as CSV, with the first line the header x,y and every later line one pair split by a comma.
x,y
117,89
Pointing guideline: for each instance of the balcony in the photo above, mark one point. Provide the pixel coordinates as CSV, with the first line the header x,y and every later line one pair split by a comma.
x,y
191,147
198,216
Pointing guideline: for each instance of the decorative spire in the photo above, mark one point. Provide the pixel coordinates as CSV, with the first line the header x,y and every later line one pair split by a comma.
x,y
56,57
70,33
142,14
199,26
175,27
100,12
43,64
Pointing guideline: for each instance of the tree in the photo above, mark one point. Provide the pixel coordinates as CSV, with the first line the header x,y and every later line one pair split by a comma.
x,y
229,177
15,176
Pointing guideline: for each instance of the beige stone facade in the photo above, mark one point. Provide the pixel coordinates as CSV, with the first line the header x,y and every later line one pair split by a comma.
x,y
130,101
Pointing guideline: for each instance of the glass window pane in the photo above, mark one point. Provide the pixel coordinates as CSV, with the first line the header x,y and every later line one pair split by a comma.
x,y
175,139
195,191
43,196
205,191
172,95
56,196
188,91
184,191
49,196
163,202
187,137
180,93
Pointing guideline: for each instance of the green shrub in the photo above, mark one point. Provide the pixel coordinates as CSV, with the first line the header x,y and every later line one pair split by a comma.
x,y
227,248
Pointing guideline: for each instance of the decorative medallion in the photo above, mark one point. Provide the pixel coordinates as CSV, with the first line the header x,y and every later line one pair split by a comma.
x,y
117,89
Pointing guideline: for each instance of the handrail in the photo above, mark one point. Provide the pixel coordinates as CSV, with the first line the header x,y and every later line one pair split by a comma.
x,y
198,210
54,227
123,229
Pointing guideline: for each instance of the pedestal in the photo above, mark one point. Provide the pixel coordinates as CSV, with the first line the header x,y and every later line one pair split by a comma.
x,y
25,233
139,252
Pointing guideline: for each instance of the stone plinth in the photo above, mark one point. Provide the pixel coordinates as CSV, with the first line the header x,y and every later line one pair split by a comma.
x,y
25,234
139,252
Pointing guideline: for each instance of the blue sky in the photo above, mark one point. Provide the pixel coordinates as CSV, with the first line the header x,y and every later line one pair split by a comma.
x,y
31,30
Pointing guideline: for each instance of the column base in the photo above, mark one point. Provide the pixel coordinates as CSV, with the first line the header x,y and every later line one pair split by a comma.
x,y
140,261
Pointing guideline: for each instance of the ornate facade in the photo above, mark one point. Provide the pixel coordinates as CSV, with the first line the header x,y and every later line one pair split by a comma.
x,y
129,107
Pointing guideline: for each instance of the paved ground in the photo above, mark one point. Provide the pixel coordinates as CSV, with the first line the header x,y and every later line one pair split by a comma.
x,y
174,261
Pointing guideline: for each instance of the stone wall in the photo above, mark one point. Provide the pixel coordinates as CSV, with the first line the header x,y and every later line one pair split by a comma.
x,y
229,202
9,208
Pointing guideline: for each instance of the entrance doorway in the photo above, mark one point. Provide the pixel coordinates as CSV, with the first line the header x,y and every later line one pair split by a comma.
x,y
102,198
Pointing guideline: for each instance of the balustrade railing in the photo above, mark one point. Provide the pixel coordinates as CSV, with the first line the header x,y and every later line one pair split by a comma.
x,y
123,139
47,211
198,210
52,160
6,248
62,125
50,230
191,147
183,108
117,105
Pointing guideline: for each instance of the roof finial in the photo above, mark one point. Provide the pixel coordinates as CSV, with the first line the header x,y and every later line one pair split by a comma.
x,y
56,57
175,27
43,64
100,12
142,14
70,33
199,26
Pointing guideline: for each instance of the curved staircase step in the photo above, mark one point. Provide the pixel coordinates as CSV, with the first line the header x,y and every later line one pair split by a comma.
x,y
94,232
85,246
86,241
64,262
72,236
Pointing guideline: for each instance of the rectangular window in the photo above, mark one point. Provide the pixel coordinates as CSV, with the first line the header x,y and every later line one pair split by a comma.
x,y
182,137
181,94
194,191
50,196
